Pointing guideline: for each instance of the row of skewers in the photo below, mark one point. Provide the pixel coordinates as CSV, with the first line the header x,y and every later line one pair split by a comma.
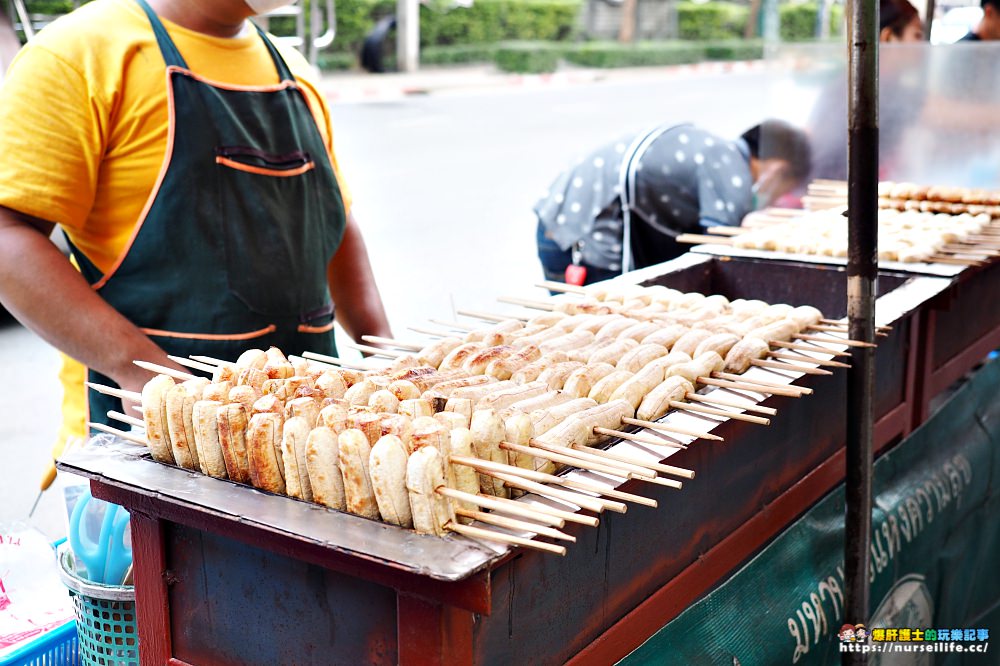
x,y
904,236
465,423
823,194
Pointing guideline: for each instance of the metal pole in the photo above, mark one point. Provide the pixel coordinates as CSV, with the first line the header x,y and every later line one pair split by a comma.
x,y
407,35
862,267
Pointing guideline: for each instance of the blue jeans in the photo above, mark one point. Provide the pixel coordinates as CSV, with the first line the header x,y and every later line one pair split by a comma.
x,y
555,260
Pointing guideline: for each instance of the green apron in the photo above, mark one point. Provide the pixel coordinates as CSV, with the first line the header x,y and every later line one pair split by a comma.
x,y
232,247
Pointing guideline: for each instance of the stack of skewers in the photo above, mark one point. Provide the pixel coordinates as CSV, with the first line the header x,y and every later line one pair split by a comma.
x,y
905,236
824,194
466,423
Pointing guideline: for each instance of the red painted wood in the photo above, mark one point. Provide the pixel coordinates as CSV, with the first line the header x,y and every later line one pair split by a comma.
x,y
430,634
473,593
913,375
937,379
893,426
691,584
151,604
925,384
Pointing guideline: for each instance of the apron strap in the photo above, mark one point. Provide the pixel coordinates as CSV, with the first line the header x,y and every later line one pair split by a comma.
x,y
170,53
284,73
627,184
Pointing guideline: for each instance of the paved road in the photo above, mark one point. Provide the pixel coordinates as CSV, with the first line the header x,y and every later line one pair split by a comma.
x,y
443,186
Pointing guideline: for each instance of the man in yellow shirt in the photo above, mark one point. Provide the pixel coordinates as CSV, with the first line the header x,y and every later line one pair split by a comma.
x,y
190,163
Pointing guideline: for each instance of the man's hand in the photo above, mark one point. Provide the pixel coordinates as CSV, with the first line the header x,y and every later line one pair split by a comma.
x,y
43,290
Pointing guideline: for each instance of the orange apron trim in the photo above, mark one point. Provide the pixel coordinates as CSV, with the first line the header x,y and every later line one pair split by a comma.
x,y
326,328
262,171
211,336
281,85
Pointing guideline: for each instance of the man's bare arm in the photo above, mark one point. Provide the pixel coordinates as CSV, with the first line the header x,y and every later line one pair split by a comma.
x,y
352,286
40,287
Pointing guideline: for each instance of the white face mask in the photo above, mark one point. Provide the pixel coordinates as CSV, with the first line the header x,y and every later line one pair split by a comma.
x,y
260,7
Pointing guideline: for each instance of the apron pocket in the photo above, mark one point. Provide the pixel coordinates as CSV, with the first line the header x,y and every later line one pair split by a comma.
x,y
276,241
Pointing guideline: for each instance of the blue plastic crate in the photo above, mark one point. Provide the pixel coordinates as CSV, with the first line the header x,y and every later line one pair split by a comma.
x,y
58,647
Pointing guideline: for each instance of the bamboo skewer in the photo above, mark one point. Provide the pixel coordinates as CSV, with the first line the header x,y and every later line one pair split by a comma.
x,y
513,524
781,365
660,481
164,370
842,329
723,230
610,492
374,351
527,303
594,504
676,430
125,418
807,346
135,439
560,457
490,317
826,327
319,364
514,507
808,359
485,316
588,455
190,363
844,325
676,404
334,360
115,393
624,459
429,331
208,360
704,238
844,341
561,286
756,386
639,470
453,324
637,437
488,466
490,535
976,250
390,341
954,261
713,399
522,509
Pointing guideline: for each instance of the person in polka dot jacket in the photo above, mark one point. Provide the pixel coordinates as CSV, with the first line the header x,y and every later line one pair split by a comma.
x,y
676,179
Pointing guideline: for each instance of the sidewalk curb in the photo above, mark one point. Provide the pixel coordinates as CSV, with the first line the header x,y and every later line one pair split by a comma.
x,y
355,89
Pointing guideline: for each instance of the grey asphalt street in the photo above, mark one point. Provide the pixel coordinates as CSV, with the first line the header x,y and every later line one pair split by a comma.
x,y
443,187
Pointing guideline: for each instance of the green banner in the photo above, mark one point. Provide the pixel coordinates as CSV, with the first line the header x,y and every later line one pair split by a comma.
x,y
935,557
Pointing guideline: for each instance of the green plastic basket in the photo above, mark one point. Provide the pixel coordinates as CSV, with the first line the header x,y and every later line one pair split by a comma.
x,y
105,618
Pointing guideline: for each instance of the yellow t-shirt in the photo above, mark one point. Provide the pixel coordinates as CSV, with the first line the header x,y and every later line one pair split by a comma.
x,y
83,127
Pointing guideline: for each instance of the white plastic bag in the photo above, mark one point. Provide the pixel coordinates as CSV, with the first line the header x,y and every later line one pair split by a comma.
x,y
32,598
